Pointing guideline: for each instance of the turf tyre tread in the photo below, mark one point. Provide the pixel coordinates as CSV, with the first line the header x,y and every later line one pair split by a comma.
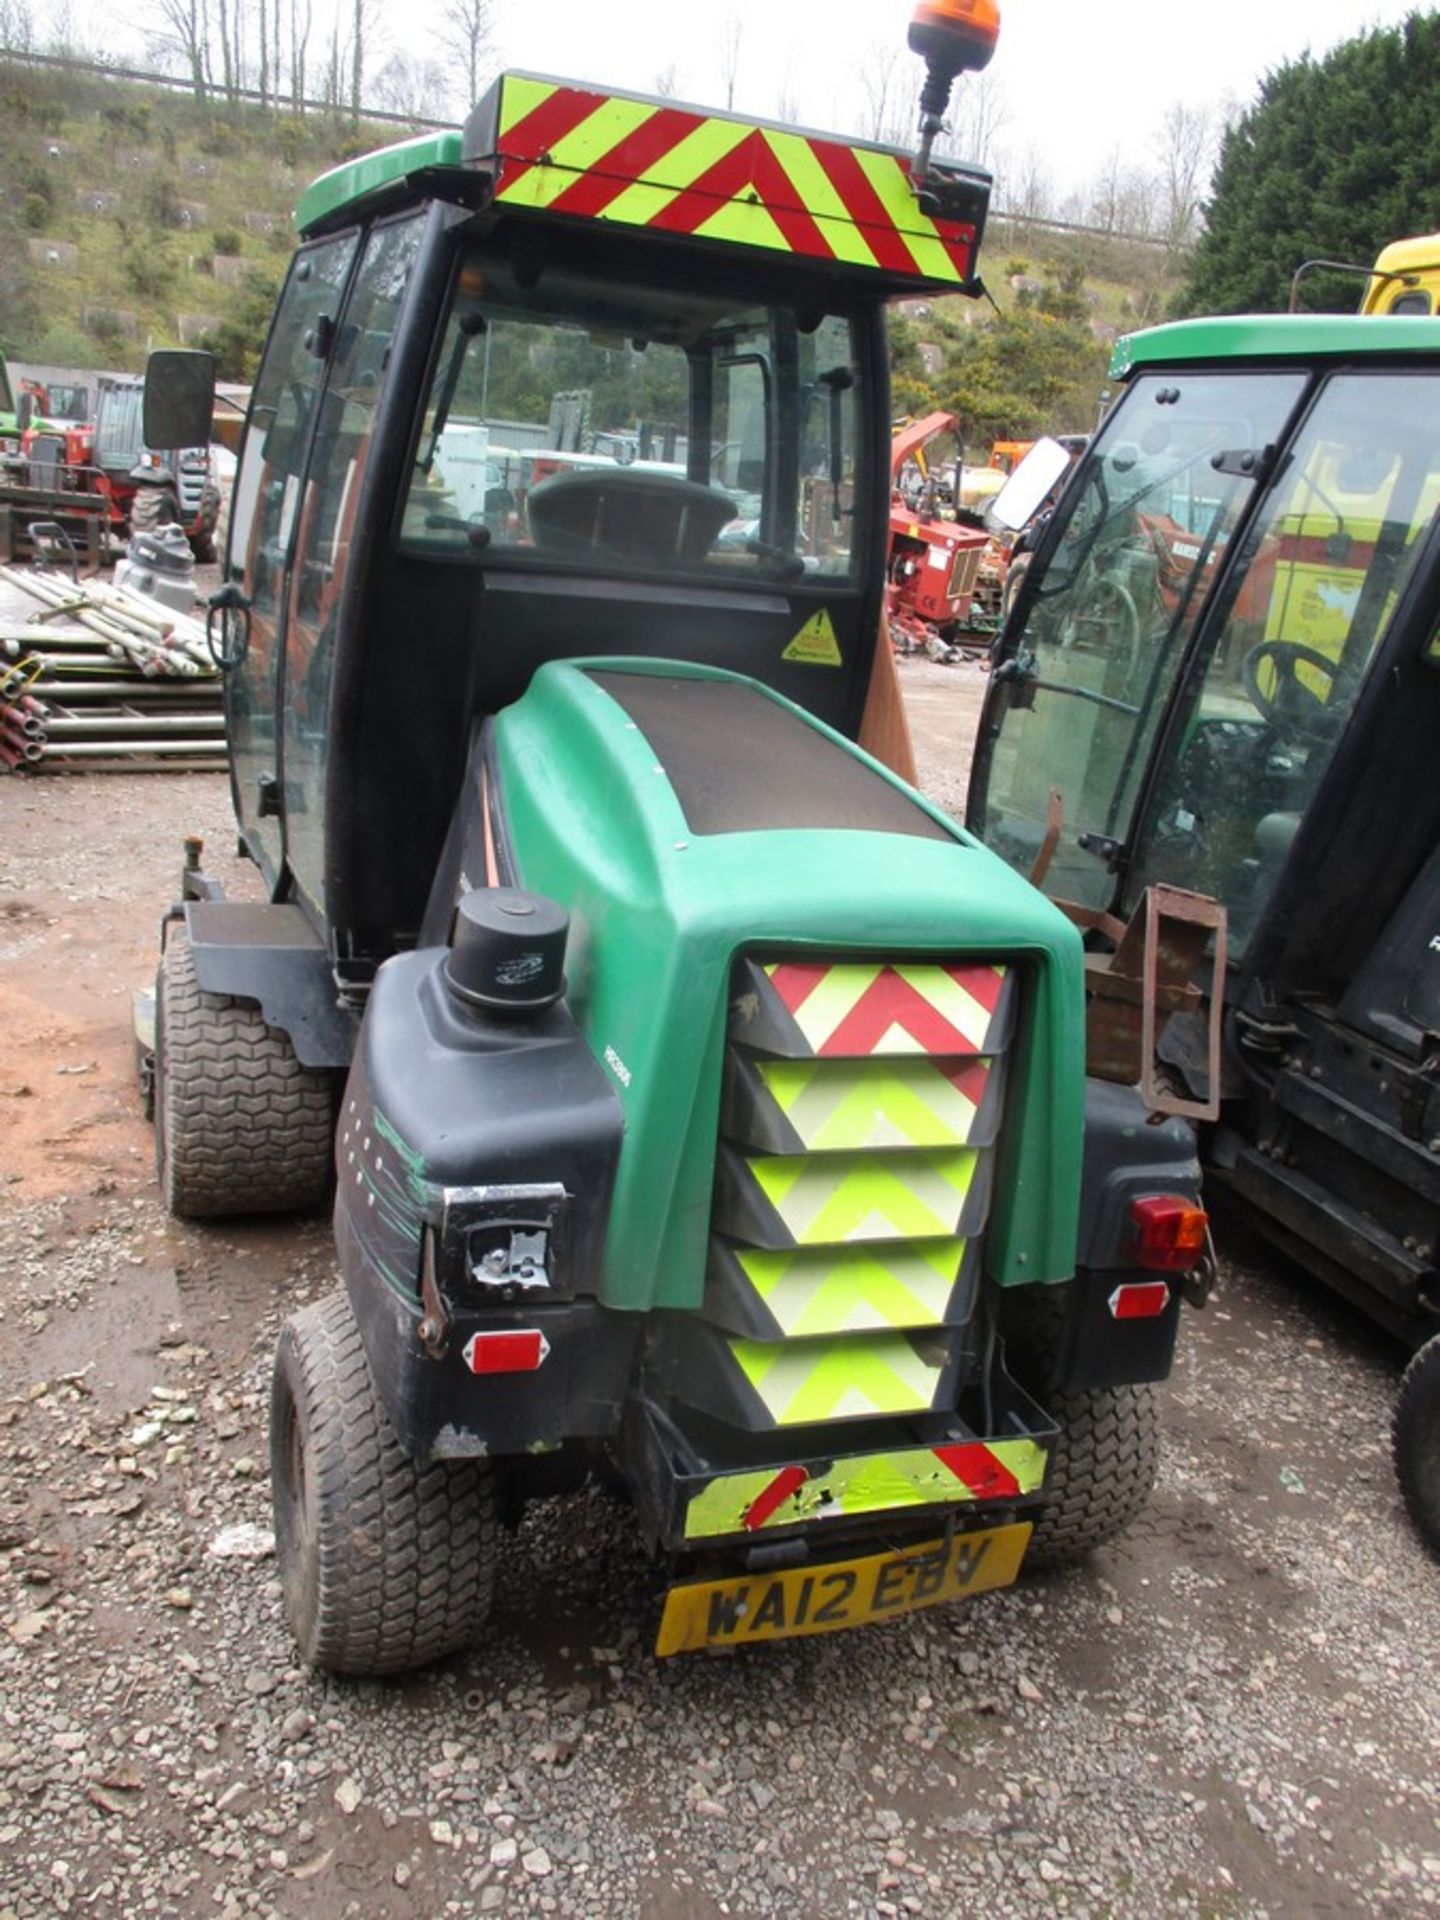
x,y
1415,1442
153,507
1102,1471
386,1564
241,1126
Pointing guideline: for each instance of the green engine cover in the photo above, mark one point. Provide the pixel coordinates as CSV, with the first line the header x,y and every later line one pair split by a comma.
x,y
723,820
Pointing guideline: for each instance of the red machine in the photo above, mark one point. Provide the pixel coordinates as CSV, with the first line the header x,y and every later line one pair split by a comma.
x,y
934,561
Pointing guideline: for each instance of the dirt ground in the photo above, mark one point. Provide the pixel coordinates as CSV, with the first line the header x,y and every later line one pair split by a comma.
x,y
1231,1712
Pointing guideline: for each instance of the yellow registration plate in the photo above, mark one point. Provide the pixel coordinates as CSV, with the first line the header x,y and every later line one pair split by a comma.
x,y
842,1593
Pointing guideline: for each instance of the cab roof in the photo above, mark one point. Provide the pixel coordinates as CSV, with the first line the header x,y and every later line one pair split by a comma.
x,y
1275,336
555,151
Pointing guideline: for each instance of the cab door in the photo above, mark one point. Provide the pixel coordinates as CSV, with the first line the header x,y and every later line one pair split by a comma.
x,y
263,523
328,531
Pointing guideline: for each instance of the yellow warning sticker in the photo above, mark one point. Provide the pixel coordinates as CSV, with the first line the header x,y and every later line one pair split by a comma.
x,y
815,644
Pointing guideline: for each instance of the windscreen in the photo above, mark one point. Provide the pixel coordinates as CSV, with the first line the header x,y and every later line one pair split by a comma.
x,y
1147,524
1261,712
590,422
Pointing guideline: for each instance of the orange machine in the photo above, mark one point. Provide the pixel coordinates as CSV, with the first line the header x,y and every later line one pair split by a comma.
x,y
934,557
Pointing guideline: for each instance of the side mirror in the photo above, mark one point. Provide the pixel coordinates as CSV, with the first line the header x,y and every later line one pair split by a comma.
x,y
1018,500
25,411
179,399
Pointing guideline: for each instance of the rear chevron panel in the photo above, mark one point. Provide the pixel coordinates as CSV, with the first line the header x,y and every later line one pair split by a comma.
x,y
862,1105
793,1295
802,1009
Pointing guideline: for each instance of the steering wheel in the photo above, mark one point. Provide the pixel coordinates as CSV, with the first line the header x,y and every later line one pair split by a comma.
x,y
625,514
1278,707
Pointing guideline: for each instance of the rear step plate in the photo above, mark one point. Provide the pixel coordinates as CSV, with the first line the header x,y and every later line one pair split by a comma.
x,y
840,1593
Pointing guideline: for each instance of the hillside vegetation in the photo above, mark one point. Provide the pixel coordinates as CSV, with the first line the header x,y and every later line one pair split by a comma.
x,y
133,217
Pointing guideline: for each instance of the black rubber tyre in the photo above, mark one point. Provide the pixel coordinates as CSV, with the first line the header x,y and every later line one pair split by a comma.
x,y
1101,1472
152,507
220,539
385,1564
240,1125
1415,1438
204,539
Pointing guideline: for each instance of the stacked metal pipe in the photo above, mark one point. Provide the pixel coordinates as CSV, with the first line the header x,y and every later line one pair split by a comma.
x,y
126,684
22,718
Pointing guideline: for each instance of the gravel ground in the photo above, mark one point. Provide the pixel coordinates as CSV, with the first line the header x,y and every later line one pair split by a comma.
x,y
1232,1712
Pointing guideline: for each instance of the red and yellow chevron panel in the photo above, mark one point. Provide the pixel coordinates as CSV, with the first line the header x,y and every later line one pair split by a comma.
x,y
959,1473
841,1106
642,163
838,1010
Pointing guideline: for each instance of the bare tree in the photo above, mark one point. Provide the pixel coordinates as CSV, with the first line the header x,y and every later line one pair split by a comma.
x,y
1106,190
335,71
65,39
1187,152
731,34
360,21
227,58
468,31
878,78
185,33
787,100
299,44
979,112
17,26
415,88
665,83
1030,192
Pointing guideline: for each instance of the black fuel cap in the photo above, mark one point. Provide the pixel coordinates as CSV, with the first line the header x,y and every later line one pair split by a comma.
x,y
508,951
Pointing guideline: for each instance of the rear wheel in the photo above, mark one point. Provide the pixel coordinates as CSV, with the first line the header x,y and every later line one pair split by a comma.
x,y
152,507
1101,1471
1416,1441
240,1125
205,536
385,1564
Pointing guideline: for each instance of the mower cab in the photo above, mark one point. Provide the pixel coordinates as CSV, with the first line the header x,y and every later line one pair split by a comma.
x,y
709,1105
1221,675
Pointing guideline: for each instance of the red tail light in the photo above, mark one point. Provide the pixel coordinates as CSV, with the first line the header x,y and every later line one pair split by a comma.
x,y
1167,1233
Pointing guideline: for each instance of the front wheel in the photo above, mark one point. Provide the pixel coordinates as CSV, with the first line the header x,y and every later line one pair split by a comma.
x,y
385,1563
1101,1471
1416,1440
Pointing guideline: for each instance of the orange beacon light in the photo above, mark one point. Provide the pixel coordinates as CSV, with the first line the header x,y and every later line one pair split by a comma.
x,y
952,37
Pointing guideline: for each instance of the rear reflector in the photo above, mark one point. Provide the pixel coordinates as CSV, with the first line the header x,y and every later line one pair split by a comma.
x,y
1167,1233
516,1350
1140,1299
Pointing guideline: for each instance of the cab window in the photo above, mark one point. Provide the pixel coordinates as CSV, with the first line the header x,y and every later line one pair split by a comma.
x,y
1326,565
581,421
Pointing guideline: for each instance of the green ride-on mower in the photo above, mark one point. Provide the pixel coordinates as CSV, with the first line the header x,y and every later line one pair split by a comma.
x,y
704,1108
1223,672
